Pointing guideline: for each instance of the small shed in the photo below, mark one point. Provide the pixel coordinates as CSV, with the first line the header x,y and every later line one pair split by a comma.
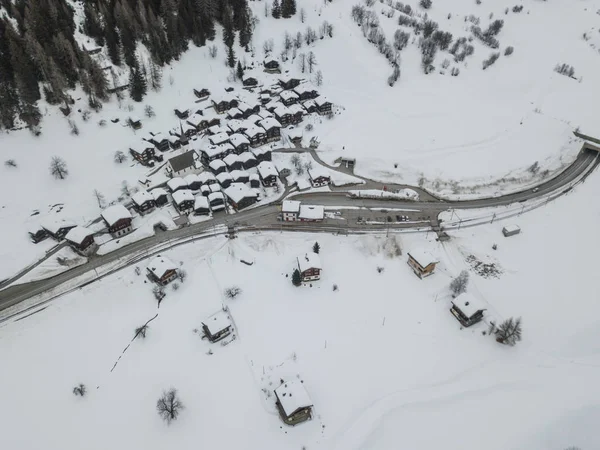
x,y
467,309
510,230
217,327
293,402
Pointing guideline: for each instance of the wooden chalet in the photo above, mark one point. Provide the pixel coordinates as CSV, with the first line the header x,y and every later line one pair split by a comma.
x,y
265,98
268,173
182,112
218,129
219,138
193,181
135,123
248,160
240,176
37,234
207,178
306,91
295,135
201,206
240,143
297,113
249,79
240,196
183,200
176,184
185,131
309,266
216,201
421,262
288,97
217,327
287,82
293,403
81,240
160,196
256,135
160,141
118,220
254,181
237,125
143,202
235,113
217,166
290,210
211,153
319,176
271,65
174,142
310,106
224,179
467,309
58,229
205,190
323,105
202,94
261,154
143,152
272,129
162,270
233,162
225,103
282,114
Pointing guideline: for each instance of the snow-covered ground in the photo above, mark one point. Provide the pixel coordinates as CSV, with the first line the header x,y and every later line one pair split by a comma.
x,y
61,261
401,194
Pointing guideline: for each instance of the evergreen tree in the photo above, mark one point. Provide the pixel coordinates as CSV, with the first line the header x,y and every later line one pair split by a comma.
x,y
91,23
230,57
316,248
155,76
296,278
24,69
246,35
240,71
285,9
292,6
228,31
276,9
137,84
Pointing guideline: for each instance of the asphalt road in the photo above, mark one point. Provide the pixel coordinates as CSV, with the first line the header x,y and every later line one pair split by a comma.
x,y
265,218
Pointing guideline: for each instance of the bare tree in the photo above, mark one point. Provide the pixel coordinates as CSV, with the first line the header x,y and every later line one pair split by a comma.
x,y
149,111
74,128
125,189
58,168
159,292
182,275
302,62
295,160
302,15
169,406
267,10
232,292
10,163
311,60
287,41
298,40
99,198
141,331
319,78
80,390
459,284
120,157
509,332
212,51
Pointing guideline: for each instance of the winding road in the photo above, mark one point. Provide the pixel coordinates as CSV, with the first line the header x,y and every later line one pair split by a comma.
x,y
422,213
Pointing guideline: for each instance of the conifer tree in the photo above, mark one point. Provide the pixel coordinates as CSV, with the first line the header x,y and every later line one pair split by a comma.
x,y
276,9
240,71
137,84
230,57
296,278
316,247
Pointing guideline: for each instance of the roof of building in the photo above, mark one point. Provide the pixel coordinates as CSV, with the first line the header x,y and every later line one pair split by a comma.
x,y
176,183
231,159
296,108
305,87
217,164
312,212
54,225
308,103
270,60
288,95
219,138
232,112
219,321
290,206
254,176
237,174
267,169
243,106
182,195
468,304
246,156
512,228
114,213
259,151
195,119
292,396
160,265
253,131
309,260
215,196
223,176
141,197
238,139
183,161
269,122
215,187
238,191
191,178
225,147
281,110
318,171
212,150
287,78
226,97
321,100
78,234
236,125
204,177
201,202
254,119
263,113
294,132
157,193
140,146
421,256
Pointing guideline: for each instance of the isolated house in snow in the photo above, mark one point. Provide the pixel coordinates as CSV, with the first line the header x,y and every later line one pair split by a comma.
x,y
143,202
182,112
37,234
311,213
318,176
510,230
135,122
323,105
467,309
58,229
183,200
118,220
290,210
182,164
421,262
81,240
309,266
293,403
202,94
162,270
217,327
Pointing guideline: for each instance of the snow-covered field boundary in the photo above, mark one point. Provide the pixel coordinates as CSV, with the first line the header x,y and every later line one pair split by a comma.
x,y
402,194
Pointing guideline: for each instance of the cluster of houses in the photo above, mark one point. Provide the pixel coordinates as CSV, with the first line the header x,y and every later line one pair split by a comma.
x,y
295,211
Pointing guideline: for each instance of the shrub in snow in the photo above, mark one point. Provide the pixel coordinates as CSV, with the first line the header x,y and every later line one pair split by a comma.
x,y
232,292
509,332
459,284
509,51
425,4
159,292
10,163
335,287
517,8
316,247
74,128
182,275
442,39
380,269
149,111
120,156
175,286
491,60
85,115
141,331
80,390
565,69
296,278
534,168
212,51
138,271
429,26
169,406
58,168
400,39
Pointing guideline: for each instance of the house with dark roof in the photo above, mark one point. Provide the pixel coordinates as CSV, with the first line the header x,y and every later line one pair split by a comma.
x,y
271,65
182,164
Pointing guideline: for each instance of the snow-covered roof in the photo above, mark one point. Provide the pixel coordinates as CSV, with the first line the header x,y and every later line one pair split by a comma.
x,y
205,188
226,97
195,119
263,113
239,191
201,202
204,177
211,151
226,147
176,183
290,206
236,125
172,139
243,106
232,112
267,169
182,195
216,129
182,108
321,100
54,225
159,137
238,139
318,171
259,151
231,159
304,87
421,256
219,321
237,174
312,212
269,122
296,108
292,396
294,132
246,156
270,60
287,78
223,176
288,95
191,178
219,138
254,119
135,119
254,176
114,213
253,131
78,234
157,193
308,103
215,187
512,228
141,146
215,196
217,164
160,265
281,110
141,197
468,304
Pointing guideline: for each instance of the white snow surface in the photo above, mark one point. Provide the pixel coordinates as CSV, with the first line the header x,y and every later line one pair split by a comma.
x,y
401,194
114,213
63,260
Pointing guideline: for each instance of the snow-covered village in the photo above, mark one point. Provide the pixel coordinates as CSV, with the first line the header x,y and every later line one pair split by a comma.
x,y
299,224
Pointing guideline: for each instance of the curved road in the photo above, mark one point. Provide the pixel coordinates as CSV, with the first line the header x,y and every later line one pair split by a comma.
x,y
265,218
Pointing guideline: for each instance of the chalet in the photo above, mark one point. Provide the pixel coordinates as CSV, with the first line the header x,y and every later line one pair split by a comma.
x,y
224,179
240,143
226,102
245,109
217,166
510,230
293,403
248,160
196,120
193,182
264,99
232,162
176,184
162,270
295,135
287,82
240,196
182,112
235,113
272,128
216,201
37,234
249,80
254,181
253,119
143,202
143,152
207,178
310,106
182,164
251,107
323,105
160,196
237,125
201,206
318,176
81,240
58,229
215,187
264,113
210,153
272,65
240,176
297,113
311,213
290,210
217,129
268,173
183,200
309,266
220,138
288,97
205,190
118,220
283,114
174,142
421,262
467,309
262,154
186,130
135,122
306,91
256,135
160,141
202,94
92,50
217,327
